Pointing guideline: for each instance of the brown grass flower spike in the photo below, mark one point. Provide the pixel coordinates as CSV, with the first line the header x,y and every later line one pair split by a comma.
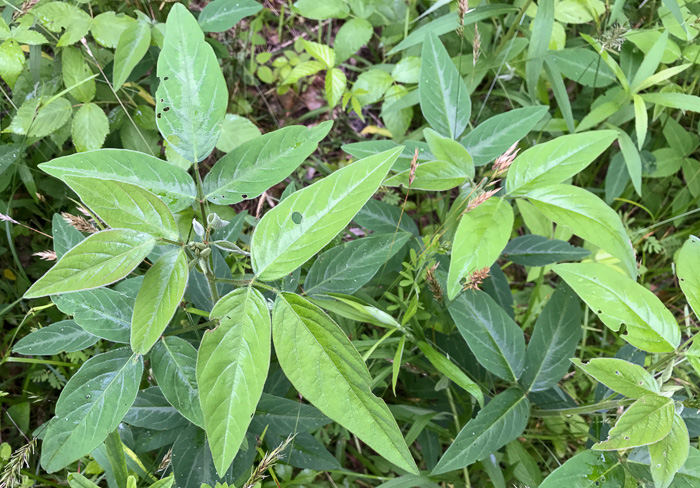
x,y
474,280
78,223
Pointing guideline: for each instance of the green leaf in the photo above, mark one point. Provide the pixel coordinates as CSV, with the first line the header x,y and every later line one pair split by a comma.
x,y
588,217
103,312
609,61
481,236
371,85
91,405
650,62
262,162
555,337
64,336
536,250
174,362
90,128
351,36
160,295
618,300
646,421
108,27
151,410
75,72
235,130
117,460
621,376
688,271
302,70
499,422
221,15
321,52
318,358
539,44
493,337
169,182
673,100
588,469
56,16
444,97
336,84
381,217
191,99
328,9
11,61
584,67
123,205
232,366
451,370
450,151
494,136
633,160
431,176
669,454
301,225
552,162
407,70
38,120
284,414
560,92
101,259
77,480
641,120
131,48
348,267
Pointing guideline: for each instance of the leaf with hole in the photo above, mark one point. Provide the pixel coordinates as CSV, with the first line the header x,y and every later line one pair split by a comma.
x,y
646,421
621,376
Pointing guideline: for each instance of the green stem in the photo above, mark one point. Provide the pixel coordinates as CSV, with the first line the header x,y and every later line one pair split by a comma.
x,y
584,409
38,361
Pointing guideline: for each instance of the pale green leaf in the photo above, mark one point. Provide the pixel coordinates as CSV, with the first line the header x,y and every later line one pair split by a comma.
x,y
90,128
108,27
36,119
608,59
160,295
552,162
101,259
56,16
64,336
494,136
619,300
321,52
688,271
174,362
351,36
261,162
450,151
232,365
222,15
588,217
318,358
682,101
621,376
641,120
169,182
296,229
633,160
327,9
481,236
302,70
539,44
646,421
444,97
651,61
11,61
669,454
492,335
91,405
336,83
430,176
76,73
235,130
499,422
191,99
604,468
371,86
407,70
131,48
451,370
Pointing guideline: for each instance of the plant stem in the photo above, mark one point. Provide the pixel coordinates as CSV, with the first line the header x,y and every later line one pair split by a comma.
x,y
608,405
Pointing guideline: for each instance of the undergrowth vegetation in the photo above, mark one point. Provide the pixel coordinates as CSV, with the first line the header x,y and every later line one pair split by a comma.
x,y
396,243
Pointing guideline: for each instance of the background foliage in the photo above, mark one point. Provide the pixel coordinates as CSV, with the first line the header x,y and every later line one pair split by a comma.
x,y
501,289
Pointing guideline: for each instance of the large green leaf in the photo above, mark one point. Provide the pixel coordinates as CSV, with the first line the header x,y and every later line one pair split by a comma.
x,y
552,162
123,205
346,268
262,162
450,151
64,336
669,454
618,300
688,270
481,236
160,295
221,15
166,180
588,469
103,312
494,136
191,99
555,337
502,419
493,337
296,229
588,217
101,259
151,410
131,48
646,421
174,362
537,250
444,97
351,36
319,359
619,375
232,365
430,176
91,405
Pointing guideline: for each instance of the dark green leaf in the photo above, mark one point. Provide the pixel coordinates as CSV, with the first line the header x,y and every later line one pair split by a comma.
x,y
536,250
221,15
